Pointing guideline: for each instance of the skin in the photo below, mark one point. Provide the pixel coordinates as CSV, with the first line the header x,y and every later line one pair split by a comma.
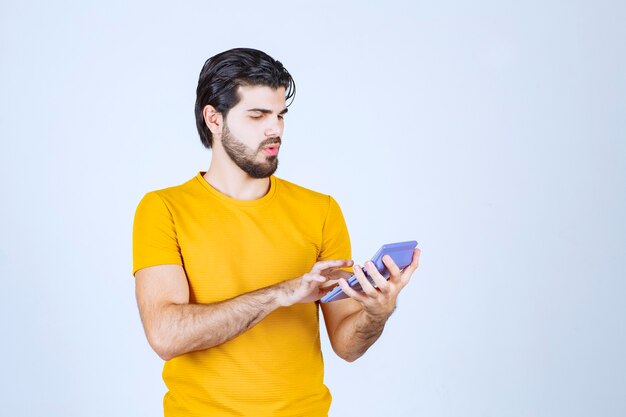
x,y
174,326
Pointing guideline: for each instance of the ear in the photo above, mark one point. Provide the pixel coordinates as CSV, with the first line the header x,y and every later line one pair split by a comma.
x,y
213,119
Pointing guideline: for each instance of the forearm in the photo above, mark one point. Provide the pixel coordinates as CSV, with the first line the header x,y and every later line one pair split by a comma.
x,y
183,328
175,327
356,334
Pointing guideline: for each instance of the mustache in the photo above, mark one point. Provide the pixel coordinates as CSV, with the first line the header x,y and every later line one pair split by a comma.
x,y
270,141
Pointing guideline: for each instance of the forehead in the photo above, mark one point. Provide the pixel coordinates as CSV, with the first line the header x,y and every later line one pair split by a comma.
x,y
261,97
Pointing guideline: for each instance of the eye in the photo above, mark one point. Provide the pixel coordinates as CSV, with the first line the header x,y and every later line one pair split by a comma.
x,y
257,117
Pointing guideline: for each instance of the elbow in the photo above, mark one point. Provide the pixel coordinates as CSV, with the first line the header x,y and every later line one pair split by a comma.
x,y
345,350
347,355
160,346
164,354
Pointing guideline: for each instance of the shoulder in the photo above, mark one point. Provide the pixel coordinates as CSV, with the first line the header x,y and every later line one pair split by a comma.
x,y
169,196
188,187
298,191
304,196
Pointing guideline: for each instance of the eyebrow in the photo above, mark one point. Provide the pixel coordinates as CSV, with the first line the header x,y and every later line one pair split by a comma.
x,y
267,111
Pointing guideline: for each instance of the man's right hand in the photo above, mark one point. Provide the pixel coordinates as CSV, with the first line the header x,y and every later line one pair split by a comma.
x,y
307,288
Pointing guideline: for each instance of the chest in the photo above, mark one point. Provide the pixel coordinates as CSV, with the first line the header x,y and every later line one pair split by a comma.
x,y
229,251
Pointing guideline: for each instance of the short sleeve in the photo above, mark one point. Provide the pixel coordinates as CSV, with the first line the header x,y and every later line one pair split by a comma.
x,y
335,237
154,234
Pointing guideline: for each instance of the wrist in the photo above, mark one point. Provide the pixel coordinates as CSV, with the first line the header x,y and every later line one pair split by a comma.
x,y
269,297
283,294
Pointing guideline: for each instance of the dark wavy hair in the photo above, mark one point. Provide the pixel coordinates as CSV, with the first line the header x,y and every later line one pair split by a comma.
x,y
223,73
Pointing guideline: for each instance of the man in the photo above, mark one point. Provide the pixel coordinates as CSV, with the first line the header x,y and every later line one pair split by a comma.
x,y
230,265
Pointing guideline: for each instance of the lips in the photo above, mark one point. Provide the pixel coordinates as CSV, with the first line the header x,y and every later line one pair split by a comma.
x,y
271,150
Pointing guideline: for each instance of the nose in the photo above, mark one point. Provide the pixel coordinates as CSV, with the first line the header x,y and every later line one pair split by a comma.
x,y
274,127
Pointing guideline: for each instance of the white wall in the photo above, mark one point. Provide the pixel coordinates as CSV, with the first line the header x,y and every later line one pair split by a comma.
x,y
491,132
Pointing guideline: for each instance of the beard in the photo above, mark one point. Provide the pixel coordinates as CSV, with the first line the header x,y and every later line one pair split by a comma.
x,y
245,158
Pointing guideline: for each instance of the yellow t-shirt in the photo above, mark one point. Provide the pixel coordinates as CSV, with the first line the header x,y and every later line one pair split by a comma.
x,y
229,247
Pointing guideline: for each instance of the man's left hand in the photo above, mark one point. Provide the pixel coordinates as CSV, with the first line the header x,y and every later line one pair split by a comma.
x,y
380,302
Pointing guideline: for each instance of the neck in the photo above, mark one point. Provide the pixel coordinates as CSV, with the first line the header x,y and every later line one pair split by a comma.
x,y
227,178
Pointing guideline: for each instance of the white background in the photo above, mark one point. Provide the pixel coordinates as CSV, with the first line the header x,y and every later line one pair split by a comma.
x,y
491,132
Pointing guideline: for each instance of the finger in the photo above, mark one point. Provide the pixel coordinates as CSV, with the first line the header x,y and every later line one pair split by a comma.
x,y
381,282
415,262
334,269
335,274
314,279
324,265
409,270
350,292
331,283
366,286
393,269
325,290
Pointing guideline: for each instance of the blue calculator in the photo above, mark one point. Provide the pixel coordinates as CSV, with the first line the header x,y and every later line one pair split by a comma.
x,y
400,252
